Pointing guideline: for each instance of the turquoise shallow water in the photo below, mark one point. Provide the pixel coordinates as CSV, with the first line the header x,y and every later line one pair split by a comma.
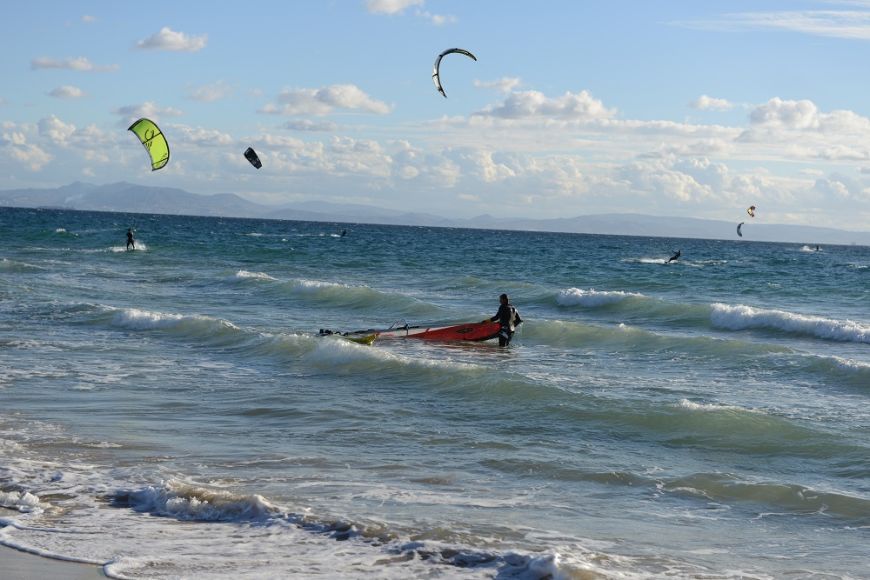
x,y
171,412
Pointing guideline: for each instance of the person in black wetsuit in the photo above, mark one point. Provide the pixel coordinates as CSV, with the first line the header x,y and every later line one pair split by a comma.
x,y
676,256
130,241
508,317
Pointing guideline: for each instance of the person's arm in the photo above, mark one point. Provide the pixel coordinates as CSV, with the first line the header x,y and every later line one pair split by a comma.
x,y
517,319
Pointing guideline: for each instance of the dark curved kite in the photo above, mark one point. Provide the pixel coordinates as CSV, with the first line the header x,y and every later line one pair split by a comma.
x,y
436,69
739,226
251,156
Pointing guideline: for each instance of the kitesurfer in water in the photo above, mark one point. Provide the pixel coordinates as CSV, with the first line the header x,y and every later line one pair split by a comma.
x,y
130,241
676,256
508,317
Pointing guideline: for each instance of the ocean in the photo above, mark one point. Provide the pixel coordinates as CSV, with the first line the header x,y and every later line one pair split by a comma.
x,y
171,412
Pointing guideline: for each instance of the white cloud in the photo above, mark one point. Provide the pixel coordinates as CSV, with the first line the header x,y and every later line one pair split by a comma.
x,y
211,92
147,109
88,19
55,130
851,24
80,64
686,180
777,113
168,39
324,101
503,85
200,136
309,125
280,141
437,19
32,156
840,186
14,144
13,138
533,104
391,6
67,92
706,103
837,135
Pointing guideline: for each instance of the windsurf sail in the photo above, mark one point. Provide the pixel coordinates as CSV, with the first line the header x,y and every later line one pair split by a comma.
x,y
251,156
152,139
470,331
436,69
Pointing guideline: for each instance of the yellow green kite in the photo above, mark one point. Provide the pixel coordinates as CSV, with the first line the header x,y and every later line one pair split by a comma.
x,y
153,141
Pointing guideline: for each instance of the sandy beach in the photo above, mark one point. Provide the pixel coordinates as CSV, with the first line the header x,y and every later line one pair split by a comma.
x,y
18,565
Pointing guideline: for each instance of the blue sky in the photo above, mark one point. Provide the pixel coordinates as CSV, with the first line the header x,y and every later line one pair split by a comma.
x,y
573,107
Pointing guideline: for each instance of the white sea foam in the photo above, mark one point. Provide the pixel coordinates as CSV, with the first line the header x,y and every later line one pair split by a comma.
x,y
23,501
136,319
743,317
189,502
707,407
645,260
140,247
245,275
851,365
593,298
317,284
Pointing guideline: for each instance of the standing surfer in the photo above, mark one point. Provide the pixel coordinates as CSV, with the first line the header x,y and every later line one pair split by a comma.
x,y
130,241
676,256
508,317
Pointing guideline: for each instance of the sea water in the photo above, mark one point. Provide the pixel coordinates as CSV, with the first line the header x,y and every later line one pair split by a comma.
x,y
171,412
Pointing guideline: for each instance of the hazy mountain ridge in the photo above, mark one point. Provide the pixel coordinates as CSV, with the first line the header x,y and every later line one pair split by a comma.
x,y
132,198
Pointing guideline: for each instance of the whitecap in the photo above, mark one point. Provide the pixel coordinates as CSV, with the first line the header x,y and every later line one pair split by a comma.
x,y
742,317
245,275
707,407
593,298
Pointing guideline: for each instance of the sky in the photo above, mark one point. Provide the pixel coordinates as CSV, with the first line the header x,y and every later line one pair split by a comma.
x,y
574,107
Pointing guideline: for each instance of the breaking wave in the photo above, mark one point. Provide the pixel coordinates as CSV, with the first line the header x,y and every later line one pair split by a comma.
x,y
743,317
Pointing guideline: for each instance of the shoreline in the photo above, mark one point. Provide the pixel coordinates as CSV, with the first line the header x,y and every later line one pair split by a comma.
x,y
20,565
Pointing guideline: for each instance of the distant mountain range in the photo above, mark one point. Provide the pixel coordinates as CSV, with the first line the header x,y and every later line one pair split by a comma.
x,y
131,198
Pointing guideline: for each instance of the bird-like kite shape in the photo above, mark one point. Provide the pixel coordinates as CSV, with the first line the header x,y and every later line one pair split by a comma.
x,y
436,69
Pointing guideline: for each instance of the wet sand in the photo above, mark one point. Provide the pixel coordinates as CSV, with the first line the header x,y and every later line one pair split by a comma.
x,y
17,565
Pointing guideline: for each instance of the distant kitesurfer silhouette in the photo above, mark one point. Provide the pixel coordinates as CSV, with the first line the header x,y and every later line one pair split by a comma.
x,y
130,242
676,256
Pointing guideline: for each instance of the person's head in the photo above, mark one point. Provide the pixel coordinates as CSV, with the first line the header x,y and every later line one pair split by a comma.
x,y
503,298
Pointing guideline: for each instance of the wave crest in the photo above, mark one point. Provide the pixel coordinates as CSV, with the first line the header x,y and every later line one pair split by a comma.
x,y
189,502
593,298
743,317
